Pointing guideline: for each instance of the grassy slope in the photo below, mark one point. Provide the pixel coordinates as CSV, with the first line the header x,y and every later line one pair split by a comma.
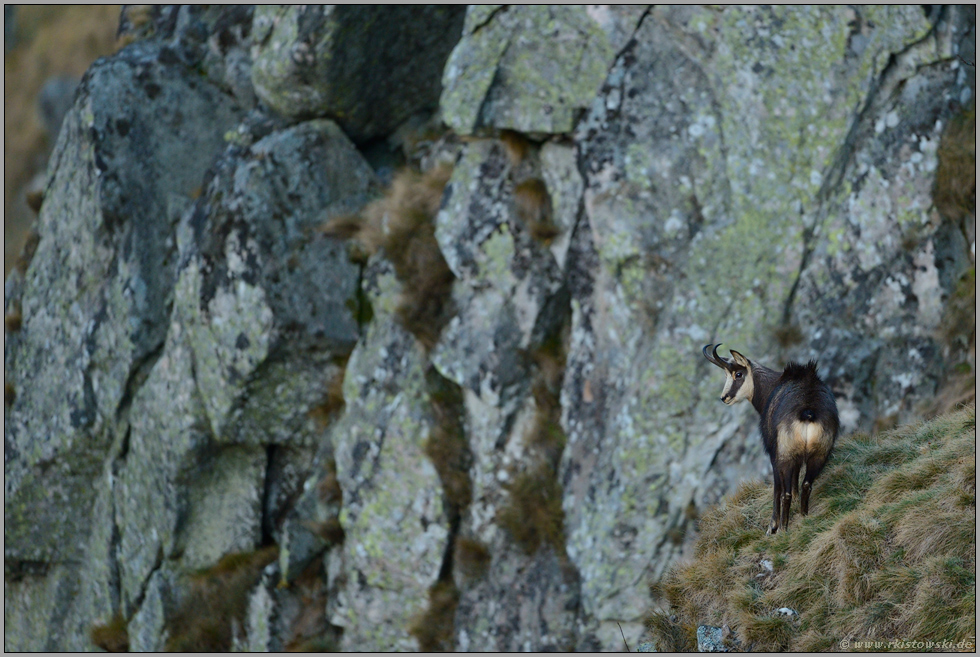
x,y
888,551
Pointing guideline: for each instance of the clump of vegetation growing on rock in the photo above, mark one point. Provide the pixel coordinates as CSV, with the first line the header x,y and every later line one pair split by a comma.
x,y
472,557
112,636
958,332
434,628
533,514
446,445
955,192
332,403
402,225
449,452
533,205
216,601
888,551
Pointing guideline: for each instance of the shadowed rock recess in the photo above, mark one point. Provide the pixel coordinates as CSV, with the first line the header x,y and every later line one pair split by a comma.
x,y
466,410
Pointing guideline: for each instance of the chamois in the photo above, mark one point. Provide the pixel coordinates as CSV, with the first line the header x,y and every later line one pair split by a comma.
x,y
798,421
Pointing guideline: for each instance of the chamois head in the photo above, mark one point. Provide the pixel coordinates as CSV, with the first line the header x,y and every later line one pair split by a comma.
x,y
738,374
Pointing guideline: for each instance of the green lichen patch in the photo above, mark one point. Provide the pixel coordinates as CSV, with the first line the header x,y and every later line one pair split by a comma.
x,y
526,68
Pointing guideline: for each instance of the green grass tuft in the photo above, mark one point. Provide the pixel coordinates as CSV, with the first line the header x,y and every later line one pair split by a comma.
x,y
887,553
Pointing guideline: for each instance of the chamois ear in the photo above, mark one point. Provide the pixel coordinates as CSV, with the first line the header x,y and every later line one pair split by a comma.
x,y
740,359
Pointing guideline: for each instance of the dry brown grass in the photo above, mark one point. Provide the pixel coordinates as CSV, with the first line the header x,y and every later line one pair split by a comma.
x,y
888,551
402,225
533,514
955,191
472,557
112,636
958,333
434,628
446,445
533,205
516,145
52,40
217,598
13,319
9,394
325,412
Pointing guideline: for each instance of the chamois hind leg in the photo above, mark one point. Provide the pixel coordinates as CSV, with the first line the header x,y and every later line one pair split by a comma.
x,y
814,464
777,498
786,474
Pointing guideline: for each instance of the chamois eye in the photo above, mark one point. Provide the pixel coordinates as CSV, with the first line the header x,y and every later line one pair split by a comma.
x,y
738,375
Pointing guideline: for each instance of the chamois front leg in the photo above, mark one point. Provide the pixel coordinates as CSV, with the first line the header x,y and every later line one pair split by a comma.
x,y
777,498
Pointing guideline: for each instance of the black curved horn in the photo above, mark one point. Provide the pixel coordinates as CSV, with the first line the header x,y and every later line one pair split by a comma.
x,y
714,358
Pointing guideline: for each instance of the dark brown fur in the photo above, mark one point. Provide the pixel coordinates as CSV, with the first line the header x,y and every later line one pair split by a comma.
x,y
798,420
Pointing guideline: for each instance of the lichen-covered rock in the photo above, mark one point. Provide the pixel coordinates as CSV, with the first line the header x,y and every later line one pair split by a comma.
x,y
269,306
396,527
95,306
508,297
527,68
146,628
506,279
710,639
367,67
882,258
706,181
179,392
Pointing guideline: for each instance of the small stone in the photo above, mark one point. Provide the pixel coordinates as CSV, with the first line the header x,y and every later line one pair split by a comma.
x,y
711,639
786,611
647,646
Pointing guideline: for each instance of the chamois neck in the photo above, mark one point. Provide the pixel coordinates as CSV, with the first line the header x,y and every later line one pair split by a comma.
x,y
763,382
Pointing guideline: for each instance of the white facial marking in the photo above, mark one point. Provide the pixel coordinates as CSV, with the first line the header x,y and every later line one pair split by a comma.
x,y
729,381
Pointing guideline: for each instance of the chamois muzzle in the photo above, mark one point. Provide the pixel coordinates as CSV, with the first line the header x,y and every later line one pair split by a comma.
x,y
715,359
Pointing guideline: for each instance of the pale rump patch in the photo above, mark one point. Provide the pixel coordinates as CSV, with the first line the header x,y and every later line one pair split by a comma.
x,y
802,439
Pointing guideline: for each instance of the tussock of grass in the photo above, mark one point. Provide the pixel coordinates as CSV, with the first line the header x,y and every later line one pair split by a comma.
x,y
434,628
13,320
888,551
112,636
446,445
472,558
218,597
533,514
310,630
328,487
9,394
402,224
533,205
332,403
956,172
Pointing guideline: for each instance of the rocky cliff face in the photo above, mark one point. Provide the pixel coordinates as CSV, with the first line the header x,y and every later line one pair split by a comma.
x,y
502,455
